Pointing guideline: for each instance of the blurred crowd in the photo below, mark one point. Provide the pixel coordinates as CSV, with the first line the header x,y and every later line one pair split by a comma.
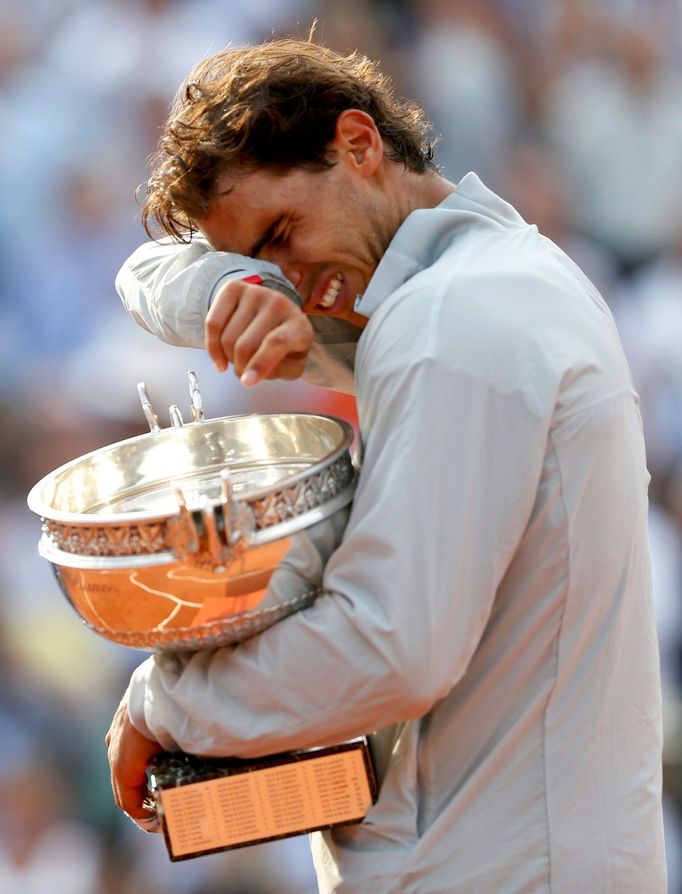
x,y
568,108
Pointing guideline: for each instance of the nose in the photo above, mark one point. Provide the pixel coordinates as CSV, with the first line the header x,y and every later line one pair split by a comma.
x,y
292,271
293,274
281,256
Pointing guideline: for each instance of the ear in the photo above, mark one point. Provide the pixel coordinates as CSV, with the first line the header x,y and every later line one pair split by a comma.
x,y
358,142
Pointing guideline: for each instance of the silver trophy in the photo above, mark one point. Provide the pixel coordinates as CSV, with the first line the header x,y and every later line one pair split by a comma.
x,y
173,540
167,541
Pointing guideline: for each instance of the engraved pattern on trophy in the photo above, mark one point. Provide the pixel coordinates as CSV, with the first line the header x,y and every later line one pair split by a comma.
x,y
86,540
306,494
143,539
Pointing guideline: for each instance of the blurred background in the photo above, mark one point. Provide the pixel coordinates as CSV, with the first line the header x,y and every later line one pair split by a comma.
x,y
571,109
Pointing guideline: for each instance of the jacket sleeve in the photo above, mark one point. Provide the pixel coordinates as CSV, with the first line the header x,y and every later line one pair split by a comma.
x,y
450,471
167,288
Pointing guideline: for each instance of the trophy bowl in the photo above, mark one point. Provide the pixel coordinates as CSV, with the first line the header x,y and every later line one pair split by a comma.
x,y
168,541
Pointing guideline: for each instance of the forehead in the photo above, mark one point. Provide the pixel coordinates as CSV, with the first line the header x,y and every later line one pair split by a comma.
x,y
247,203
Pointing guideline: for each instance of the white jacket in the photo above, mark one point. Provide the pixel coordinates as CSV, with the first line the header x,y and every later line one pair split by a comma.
x,y
491,598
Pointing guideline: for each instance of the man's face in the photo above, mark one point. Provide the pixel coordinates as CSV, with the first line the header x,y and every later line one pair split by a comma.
x,y
326,230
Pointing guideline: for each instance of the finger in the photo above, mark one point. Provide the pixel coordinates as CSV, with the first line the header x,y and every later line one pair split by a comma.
x,y
229,336
151,824
129,753
129,781
130,797
270,311
281,353
261,310
221,310
244,314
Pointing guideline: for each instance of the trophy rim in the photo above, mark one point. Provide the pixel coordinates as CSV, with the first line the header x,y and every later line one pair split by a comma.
x,y
41,507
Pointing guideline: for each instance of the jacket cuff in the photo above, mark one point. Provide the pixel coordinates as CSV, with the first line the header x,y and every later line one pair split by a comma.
x,y
138,699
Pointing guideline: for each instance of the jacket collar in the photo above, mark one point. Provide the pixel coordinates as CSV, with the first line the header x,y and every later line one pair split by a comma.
x,y
427,232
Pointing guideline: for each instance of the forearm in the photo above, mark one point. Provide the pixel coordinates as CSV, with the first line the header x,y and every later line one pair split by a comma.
x,y
293,686
168,288
405,603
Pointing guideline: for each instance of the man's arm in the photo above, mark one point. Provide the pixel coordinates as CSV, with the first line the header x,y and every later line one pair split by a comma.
x,y
450,472
175,290
188,294
167,286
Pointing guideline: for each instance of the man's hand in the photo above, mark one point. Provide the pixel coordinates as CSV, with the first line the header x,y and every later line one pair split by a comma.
x,y
129,753
259,331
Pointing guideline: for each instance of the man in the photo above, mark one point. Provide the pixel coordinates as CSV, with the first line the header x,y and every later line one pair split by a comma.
x,y
489,609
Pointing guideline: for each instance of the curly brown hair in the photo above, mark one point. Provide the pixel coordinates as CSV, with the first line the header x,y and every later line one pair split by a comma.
x,y
273,106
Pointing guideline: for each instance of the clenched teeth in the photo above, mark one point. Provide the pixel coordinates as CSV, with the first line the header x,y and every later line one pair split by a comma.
x,y
332,292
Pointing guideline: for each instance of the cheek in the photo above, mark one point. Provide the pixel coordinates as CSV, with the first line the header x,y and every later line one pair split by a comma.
x,y
335,232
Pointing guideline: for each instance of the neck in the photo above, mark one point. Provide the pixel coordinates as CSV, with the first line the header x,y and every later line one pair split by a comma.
x,y
397,194
431,191
413,191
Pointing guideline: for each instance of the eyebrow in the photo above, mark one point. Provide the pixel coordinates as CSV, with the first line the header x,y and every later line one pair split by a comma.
x,y
265,238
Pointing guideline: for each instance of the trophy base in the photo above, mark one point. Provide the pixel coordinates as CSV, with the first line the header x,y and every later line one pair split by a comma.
x,y
206,805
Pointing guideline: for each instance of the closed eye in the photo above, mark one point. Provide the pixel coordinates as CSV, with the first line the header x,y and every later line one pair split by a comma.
x,y
278,238
274,235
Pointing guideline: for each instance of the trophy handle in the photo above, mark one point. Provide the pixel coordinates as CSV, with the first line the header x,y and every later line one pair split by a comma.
x,y
212,539
175,416
182,535
196,402
148,409
196,406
